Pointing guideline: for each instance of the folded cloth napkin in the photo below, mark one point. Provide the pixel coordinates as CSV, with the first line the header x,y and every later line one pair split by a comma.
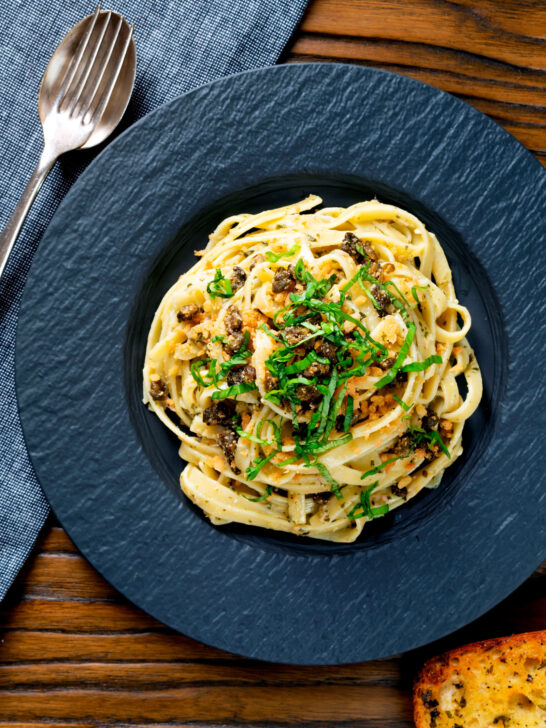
x,y
180,44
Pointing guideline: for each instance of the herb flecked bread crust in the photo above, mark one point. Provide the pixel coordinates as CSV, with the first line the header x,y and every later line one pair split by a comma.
x,y
499,682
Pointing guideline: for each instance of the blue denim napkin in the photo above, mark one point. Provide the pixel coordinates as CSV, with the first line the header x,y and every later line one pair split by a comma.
x,y
180,44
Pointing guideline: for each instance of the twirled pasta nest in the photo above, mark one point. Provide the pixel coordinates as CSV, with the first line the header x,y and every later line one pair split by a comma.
x,y
308,362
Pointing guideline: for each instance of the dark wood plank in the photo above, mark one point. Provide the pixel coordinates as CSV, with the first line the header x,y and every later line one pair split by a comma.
x,y
22,646
92,616
78,724
56,576
324,705
50,724
492,55
512,32
168,674
54,540
481,75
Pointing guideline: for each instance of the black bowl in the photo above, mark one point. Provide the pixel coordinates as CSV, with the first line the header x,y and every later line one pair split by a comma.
x,y
124,233
471,283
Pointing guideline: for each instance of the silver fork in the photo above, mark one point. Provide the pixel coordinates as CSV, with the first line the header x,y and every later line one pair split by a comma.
x,y
84,92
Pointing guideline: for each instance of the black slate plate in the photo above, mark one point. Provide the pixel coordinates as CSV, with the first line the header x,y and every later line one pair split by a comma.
x,y
128,229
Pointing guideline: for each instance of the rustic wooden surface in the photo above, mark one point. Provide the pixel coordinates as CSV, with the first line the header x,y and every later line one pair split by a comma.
x,y
75,653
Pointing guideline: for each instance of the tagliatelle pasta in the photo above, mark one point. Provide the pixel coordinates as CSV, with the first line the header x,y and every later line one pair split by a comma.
x,y
309,363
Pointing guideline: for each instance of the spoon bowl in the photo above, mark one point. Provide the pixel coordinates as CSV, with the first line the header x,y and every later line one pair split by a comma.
x,y
83,95
109,22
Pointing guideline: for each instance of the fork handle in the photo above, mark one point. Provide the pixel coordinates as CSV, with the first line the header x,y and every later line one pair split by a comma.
x,y
11,231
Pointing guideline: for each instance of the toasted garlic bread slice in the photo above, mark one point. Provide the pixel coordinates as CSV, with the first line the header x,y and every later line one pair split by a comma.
x,y
499,683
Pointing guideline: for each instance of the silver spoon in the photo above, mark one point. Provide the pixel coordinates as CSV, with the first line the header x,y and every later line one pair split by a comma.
x,y
84,92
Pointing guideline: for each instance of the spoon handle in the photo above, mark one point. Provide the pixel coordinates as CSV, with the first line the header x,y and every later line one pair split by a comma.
x,y
11,231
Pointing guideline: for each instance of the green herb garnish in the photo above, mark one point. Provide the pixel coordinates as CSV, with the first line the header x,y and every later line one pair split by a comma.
x,y
387,379
238,359
435,437
348,413
332,444
219,287
325,404
414,293
365,276
213,376
271,335
364,509
311,358
377,469
234,391
332,414
334,485
254,438
421,436
252,472
405,407
275,257
354,354
262,497
199,378
276,431
400,294
419,366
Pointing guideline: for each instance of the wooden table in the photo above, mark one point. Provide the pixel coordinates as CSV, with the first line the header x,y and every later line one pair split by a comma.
x,y
75,653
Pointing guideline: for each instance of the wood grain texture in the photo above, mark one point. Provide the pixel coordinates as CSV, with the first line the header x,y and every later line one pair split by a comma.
x,y
75,653
491,54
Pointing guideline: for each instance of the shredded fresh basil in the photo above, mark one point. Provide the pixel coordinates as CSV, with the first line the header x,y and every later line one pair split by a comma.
x,y
348,413
419,366
405,407
276,431
219,287
420,436
363,509
262,497
275,257
252,471
232,392
199,378
334,485
414,293
354,354
311,358
387,379
378,469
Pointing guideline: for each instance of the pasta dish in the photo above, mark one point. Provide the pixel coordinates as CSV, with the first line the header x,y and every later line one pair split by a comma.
x,y
314,365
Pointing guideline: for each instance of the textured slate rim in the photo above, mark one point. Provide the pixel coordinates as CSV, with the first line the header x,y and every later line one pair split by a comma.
x,y
92,264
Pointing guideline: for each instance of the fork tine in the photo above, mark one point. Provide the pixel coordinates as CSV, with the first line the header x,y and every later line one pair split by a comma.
x,y
101,70
97,112
88,66
75,62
